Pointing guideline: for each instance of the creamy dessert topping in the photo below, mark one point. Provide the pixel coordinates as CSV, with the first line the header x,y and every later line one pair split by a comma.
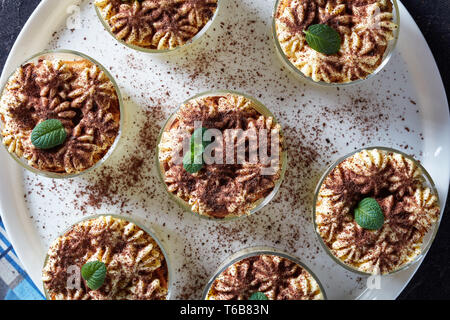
x,y
365,28
135,265
76,93
220,190
276,277
410,209
156,24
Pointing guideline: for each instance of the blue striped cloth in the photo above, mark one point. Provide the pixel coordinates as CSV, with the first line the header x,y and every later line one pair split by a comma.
x,y
15,284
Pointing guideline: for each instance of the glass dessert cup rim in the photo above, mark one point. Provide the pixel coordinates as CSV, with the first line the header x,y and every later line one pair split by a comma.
x,y
161,52
386,57
256,251
424,246
259,204
55,175
148,230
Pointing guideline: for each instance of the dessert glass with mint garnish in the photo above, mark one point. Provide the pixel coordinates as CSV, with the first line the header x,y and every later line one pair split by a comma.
x,y
61,114
376,211
106,257
262,273
230,183
157,26
333,42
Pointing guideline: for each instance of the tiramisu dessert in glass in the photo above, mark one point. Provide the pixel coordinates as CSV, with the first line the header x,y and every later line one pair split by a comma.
x,y
263,274
60,114
106,257
335,41
156,26
376,211
238,164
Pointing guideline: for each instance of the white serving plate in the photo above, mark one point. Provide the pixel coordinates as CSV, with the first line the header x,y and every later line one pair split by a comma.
x,y
36,209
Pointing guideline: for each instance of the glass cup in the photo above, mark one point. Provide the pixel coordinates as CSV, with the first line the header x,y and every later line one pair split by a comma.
x,y
260,203
145,229
428,238
290,66
162,51
69,55
251,252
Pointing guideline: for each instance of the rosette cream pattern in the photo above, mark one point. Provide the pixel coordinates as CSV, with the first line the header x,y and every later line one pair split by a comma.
x,y
156,24
365,27
136,267
78,94
277,277
410,209
227,189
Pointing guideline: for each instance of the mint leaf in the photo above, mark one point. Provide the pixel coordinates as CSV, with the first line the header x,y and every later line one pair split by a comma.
x,y
369,215
193,160
323,38
258,296
198,138
94,273
48,134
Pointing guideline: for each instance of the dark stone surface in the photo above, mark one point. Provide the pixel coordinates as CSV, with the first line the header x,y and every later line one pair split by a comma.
x,y
432,280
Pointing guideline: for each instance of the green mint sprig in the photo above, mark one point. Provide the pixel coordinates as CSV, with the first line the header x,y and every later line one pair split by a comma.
x,y
193,160
94,273
369,215
48,134
258,296
323,38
